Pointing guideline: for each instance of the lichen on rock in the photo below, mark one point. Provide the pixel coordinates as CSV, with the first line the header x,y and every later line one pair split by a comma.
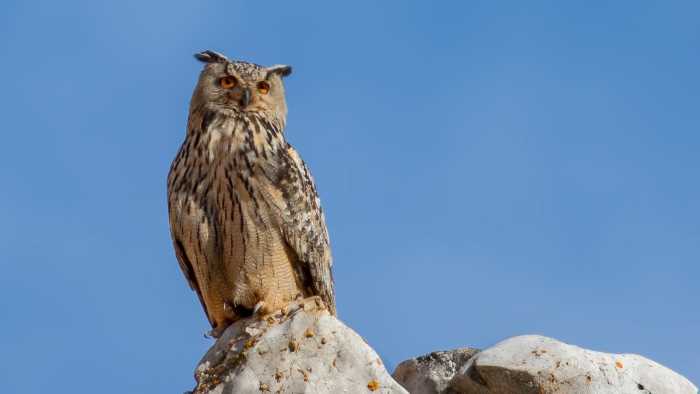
x,y
302,349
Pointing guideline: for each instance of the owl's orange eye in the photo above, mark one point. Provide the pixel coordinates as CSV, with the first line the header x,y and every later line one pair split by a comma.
x,y
263,87
227,82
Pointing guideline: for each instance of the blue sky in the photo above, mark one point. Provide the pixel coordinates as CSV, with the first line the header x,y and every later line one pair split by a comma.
x,y
488,169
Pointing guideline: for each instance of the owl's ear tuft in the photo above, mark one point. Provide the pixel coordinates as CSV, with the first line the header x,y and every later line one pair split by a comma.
x,y
210,57
279,69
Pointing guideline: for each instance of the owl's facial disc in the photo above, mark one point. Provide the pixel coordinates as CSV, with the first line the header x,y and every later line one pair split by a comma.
x,y
240,97
243,87
235,91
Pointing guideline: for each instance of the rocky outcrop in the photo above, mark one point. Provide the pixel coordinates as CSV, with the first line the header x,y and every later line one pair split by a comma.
x,y
432,373
302,349
538,365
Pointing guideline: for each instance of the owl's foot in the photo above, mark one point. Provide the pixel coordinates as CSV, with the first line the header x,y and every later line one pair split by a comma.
x,y
264,310
215,332
230,315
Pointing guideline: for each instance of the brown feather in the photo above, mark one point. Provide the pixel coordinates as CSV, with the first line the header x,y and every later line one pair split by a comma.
x,y
245,217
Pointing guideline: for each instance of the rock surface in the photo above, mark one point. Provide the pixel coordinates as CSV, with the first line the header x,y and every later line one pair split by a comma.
x,y
304,349
300,350
541,365
432,373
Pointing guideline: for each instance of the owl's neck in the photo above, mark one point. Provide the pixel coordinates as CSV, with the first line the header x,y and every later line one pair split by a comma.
x,y
263,119
230,132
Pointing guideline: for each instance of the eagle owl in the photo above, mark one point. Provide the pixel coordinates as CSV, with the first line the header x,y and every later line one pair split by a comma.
x,y
246,221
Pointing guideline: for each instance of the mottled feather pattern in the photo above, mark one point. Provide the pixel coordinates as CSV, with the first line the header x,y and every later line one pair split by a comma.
x,y
305,227
245,216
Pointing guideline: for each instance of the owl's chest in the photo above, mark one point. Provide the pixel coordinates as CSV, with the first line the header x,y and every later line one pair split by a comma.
x,y
227,163
231,177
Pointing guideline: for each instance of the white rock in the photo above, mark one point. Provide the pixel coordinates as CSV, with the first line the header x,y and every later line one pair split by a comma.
x,y
536,364
305,350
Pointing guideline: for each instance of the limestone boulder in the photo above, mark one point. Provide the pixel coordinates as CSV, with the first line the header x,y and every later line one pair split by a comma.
x,y
533,364
302,349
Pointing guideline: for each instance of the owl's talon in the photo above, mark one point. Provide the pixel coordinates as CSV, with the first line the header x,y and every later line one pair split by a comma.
x,y
259,307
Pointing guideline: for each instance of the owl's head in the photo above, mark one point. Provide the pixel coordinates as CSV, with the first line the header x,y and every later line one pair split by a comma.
x,y
241,87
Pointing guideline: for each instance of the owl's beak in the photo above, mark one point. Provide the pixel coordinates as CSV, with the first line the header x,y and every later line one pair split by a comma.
x,y
245,98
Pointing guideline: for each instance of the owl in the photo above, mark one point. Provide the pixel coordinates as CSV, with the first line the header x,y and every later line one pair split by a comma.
x,y
247,225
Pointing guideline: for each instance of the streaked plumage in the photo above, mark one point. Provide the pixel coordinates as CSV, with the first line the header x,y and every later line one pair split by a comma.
x,y
245,218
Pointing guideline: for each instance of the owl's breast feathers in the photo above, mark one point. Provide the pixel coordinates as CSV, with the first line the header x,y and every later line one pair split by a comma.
x,y
231,161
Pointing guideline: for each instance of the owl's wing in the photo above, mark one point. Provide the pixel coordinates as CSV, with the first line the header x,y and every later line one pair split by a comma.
x,y
303,224
179,237
188,271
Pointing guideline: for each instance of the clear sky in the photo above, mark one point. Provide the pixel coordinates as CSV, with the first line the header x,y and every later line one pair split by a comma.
x,y
488,169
